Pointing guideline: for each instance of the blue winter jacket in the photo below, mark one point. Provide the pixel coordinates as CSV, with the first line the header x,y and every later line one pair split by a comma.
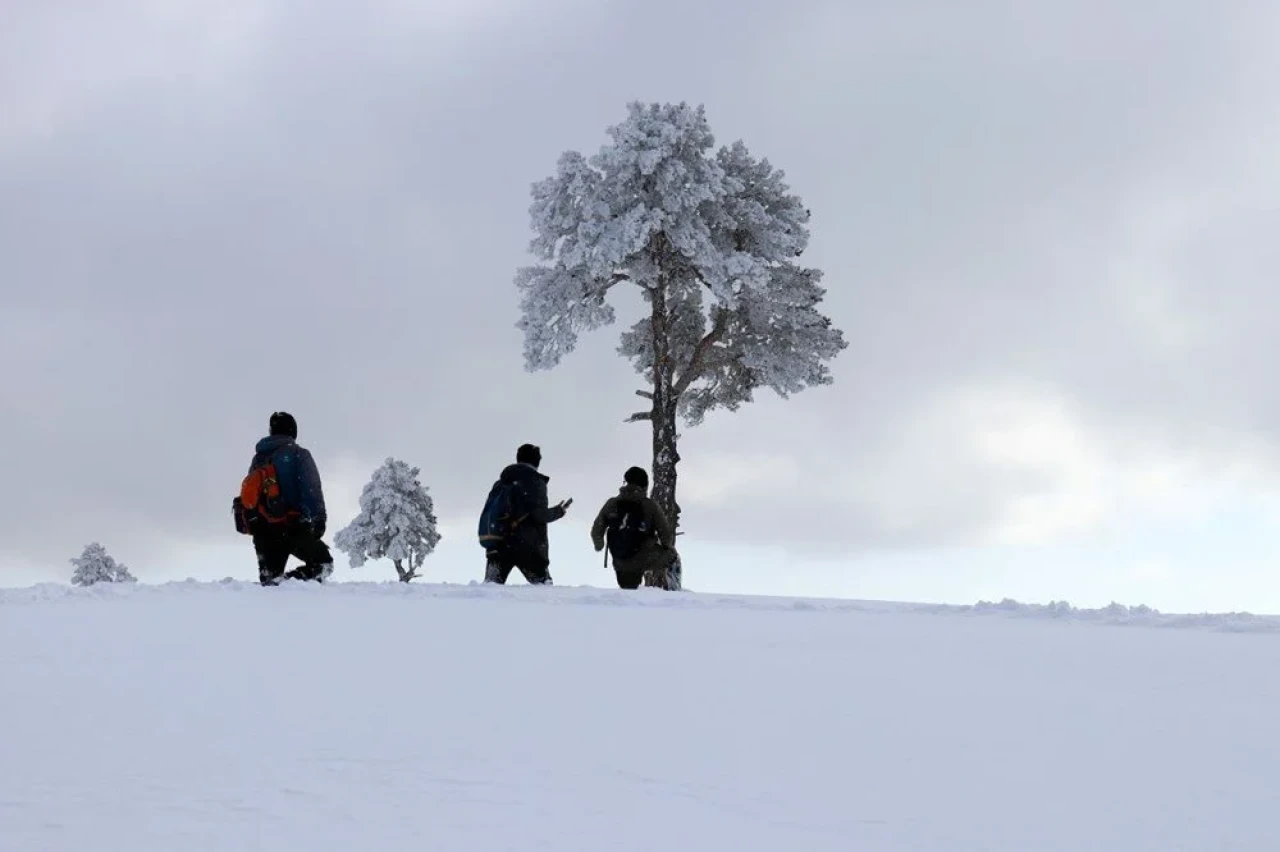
x,y
299,479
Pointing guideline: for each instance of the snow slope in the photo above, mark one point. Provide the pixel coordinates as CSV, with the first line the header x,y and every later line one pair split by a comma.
x,y
384,717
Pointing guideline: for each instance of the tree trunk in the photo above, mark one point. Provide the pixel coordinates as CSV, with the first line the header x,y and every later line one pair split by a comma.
x,y
405,576
665,459
663,416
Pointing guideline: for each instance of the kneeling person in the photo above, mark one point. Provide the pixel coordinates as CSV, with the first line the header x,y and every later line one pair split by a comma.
x,y
281,504
640,538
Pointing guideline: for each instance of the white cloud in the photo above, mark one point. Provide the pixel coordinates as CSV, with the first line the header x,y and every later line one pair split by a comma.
x,y
716,478
59,59
1082,476
1050,245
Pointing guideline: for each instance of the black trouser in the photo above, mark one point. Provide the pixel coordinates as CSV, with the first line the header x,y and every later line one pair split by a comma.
x,y
628,578
651,567
274,547
535,567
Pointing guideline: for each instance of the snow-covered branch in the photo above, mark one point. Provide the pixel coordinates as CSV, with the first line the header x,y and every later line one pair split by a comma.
x,y
697,364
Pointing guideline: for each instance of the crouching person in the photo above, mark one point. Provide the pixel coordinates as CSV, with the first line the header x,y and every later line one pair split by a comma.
x,y
639,536
281,505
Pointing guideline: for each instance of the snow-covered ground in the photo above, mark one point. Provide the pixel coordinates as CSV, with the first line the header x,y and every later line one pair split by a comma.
x,y
225,716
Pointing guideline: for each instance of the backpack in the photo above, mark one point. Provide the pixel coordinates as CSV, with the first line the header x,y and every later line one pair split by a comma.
x,y
260,501
500,515
628,529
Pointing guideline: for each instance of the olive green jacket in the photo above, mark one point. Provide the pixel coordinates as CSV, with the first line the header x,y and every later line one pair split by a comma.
x,y
656,553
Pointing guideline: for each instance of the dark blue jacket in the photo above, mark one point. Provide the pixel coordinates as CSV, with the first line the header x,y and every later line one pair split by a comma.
x,y
531,534
299,479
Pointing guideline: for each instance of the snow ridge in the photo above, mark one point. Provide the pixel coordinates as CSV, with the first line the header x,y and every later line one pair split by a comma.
x,y
1058,611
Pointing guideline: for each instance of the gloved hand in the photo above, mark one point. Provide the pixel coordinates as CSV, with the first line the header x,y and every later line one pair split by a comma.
x,y
317,529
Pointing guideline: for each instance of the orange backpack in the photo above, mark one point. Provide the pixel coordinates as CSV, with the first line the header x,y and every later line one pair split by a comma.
x,y
259,500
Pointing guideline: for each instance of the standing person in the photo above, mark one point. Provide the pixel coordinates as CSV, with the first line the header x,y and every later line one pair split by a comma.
x,y
640,538
513,525
281,504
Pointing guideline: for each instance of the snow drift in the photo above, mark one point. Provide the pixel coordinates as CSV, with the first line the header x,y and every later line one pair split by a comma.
x,y
202,716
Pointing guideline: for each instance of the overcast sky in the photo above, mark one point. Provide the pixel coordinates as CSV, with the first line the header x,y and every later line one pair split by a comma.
x,y
1048,231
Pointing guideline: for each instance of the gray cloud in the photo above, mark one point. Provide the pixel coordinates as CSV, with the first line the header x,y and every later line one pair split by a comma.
x,y
302,206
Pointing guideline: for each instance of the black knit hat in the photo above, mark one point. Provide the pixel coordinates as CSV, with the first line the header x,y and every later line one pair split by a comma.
x,y
282,423
636,476
529,454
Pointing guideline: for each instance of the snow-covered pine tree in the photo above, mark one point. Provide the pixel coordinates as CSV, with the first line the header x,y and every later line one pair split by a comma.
x,y
95,565
711,239
397,521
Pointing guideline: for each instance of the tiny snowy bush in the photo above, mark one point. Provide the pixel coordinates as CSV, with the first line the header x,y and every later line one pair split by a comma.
x,y
397,521
94,565
711,239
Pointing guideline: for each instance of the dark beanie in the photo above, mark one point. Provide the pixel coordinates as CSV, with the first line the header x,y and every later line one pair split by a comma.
x,y
282,423
636,476
529,454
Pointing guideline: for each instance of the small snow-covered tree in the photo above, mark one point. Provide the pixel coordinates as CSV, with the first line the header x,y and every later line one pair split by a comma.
x,y
95,565
397,521
711,240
